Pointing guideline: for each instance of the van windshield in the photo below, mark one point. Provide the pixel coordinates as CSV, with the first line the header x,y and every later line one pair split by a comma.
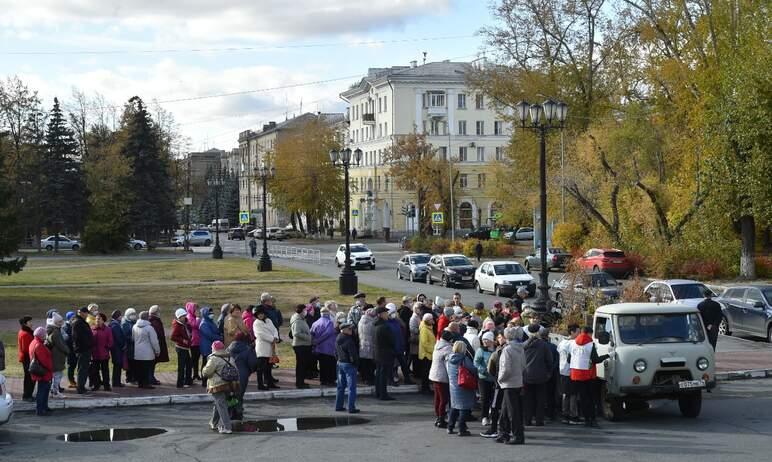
x,y
661,328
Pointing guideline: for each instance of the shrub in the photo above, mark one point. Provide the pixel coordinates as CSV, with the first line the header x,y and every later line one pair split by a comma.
x,y
701,269
633,292
439,246
418,244
456,247
568,236
638,261
763,267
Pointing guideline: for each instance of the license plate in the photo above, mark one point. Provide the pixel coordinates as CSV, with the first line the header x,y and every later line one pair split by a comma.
x,y
691,384
466,278
616,261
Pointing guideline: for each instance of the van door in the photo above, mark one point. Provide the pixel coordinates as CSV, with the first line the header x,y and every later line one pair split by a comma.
x,y
603,324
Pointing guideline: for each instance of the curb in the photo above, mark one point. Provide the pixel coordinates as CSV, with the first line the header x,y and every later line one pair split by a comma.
x,y
744,375
200,398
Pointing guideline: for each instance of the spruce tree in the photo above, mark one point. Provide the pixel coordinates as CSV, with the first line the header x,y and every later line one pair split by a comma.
x,y
10,231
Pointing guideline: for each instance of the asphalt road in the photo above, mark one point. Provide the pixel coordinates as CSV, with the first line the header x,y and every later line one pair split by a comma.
x,y
735,425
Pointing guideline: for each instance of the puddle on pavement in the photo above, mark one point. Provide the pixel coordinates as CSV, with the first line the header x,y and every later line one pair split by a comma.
x,y
110,434
295,424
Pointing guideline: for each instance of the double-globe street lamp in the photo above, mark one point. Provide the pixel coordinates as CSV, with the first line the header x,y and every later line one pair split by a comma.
x,y
216,183
546,116
265,173
348,279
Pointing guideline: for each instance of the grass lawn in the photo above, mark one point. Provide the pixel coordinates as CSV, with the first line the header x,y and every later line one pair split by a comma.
x,y
35,301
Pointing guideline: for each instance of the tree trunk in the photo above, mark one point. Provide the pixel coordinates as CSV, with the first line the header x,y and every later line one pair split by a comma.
x,y
748,237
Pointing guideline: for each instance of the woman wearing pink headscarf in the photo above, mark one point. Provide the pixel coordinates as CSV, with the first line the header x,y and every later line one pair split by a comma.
x,y
195,338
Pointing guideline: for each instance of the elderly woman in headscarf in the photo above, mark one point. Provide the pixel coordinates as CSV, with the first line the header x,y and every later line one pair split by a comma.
x,y
366,330
59,350
461,399
323,334
40,354
225,310
413,325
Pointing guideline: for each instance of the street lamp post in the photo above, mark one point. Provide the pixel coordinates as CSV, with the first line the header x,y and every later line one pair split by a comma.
x,y
216,183
264,173
348,279
544,117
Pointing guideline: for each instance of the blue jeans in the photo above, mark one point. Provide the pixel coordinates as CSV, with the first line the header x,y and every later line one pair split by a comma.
x,y
42,397
347,374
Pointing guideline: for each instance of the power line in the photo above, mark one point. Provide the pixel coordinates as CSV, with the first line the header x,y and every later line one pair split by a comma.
x,y
234,49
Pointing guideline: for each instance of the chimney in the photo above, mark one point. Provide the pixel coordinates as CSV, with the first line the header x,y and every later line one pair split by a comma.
x,y
413,64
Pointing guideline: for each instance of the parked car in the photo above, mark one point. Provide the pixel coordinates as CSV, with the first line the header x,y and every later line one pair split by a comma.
x,y
197,237
747,310
64,243
6,402
503,278
677,291
276,233
257,233
450,270
612,261
598,285
413,266
136,244
483,232
360,256
524,234
557,258
290,233
236,233
656,352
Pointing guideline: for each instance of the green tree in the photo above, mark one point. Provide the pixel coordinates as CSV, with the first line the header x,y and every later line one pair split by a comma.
x,y
10,231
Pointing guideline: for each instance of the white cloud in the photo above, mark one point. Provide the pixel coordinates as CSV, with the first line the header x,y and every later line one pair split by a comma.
x,y
207,20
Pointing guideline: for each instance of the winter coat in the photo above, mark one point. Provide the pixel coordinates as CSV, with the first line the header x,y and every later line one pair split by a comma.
x,y
160,333
103,343
583,375
355,315
323,335
273,313
366,331
301,332
213,369
399,341
426,341
385,343
146,346
473,338
38,350
23,340
442,323
414,333
208,332
265,336
59,349
346,349
180,335
439,372
481,359
249,321
244,359
460,398
232,326
538,361
128,335
193,323
119,342
511,365
82,338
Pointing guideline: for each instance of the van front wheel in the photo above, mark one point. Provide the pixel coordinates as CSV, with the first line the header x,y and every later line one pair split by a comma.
x,y
613,410
690,405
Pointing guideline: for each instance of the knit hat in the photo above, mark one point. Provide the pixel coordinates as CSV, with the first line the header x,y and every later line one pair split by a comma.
x,y
83,309
56,318
391,307
93,307
180,313
40,333
130,313
69,315
154,310
489,336
427,317
116,314
217,345
533,330
448,311
479,306
458,311
50,312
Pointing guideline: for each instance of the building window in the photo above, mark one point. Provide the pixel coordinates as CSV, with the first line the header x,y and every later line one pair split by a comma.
x,y
481,180
462,101
480,128
436,99
380,130
480,154
462,127
385,107
462,153
436,127
379,105
498,128
378,183
465,215
443,152
463,181
499,153
385,125
479,101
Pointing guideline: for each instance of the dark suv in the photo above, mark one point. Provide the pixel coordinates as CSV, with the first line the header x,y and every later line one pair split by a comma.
x,y
450,270
482,232
236,233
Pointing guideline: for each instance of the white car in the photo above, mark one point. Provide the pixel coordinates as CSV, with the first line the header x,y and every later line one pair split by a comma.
x,y
677,291
524,234
136,244
64,243
503,278
360,256
6,402
197,237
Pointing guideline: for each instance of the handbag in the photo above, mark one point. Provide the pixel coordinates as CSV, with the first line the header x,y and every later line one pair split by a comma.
x,y
35,368
466,379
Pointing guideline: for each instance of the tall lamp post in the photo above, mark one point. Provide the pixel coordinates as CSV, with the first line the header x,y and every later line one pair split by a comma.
x,y
216,183
348,279
547,116
265,173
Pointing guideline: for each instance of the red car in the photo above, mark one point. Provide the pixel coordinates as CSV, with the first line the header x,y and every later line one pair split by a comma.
x,y
611,261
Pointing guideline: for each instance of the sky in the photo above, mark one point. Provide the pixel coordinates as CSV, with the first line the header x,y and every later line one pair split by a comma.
x,y
173,50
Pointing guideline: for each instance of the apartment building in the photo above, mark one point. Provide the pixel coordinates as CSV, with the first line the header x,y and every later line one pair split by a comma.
x,y
434,99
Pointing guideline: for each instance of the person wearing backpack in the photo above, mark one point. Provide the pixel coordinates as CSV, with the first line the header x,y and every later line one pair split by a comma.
x,y
222,378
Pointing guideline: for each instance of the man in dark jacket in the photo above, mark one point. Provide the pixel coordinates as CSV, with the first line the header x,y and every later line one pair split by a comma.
x,y
158,326
347,352
82,343
385,351
271,312
710,310
538,370
552,384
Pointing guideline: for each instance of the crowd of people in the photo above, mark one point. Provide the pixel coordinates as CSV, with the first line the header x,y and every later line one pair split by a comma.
x,y
498,359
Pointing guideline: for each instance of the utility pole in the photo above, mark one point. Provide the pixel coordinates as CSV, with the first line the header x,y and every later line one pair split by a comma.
x,y
188,201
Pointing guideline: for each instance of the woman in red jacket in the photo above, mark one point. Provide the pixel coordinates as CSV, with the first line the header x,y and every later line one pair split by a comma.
x,y
24,339
100,355
181,337
39,352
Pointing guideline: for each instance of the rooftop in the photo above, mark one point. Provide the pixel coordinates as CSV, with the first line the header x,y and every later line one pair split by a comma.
x,y
441,71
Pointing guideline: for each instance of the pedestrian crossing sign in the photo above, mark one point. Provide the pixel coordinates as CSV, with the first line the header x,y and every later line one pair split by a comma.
x,y
243,218
438,218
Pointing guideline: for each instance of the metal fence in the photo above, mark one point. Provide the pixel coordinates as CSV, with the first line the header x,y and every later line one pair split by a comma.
x,y
295,253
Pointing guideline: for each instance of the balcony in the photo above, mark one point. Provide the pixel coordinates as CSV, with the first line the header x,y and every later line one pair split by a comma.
x,y
437,111
368,118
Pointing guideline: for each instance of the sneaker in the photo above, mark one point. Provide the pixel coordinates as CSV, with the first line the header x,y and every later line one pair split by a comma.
x,y
515,442
225,431
213,428
489,434
502,439
451,431
575,421
340,409
486,421
354,411
464,433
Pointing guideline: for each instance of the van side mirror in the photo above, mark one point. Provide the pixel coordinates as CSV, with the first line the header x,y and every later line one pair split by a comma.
x,y
758,304
604,338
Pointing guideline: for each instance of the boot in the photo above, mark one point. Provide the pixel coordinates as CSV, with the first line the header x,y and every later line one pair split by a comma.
x,y
72,384
443,423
